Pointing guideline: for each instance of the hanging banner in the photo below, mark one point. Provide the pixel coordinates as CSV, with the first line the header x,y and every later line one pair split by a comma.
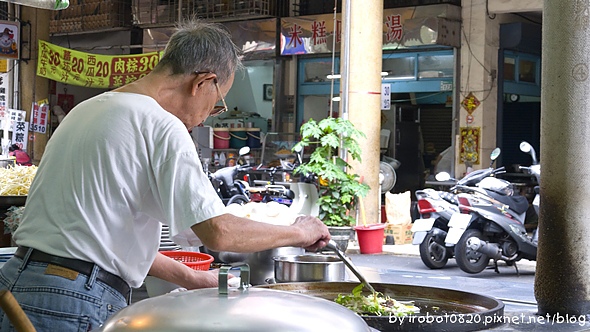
x,y
92,70
470,145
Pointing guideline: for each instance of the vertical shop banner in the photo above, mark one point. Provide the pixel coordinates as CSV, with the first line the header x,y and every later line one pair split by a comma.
x,y
20,132
3,97
39,117
3,91
92,70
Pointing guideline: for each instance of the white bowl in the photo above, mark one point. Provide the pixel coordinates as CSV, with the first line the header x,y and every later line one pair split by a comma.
x,y
156,286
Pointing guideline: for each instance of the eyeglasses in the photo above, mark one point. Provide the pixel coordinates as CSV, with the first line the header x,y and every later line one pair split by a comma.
x,y
218,110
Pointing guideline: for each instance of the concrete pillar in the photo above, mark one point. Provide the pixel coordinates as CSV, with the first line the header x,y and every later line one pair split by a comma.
x,y
364,91
479,67
561,280
32,87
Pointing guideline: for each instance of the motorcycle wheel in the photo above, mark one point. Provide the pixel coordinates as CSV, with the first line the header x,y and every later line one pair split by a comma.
x,y
238,199
468,260
433,254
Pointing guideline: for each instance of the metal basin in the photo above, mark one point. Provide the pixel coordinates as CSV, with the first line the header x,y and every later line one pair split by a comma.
x,y
440,309
308,268
261,263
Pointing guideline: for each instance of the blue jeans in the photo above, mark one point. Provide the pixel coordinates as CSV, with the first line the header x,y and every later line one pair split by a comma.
x,y
58,303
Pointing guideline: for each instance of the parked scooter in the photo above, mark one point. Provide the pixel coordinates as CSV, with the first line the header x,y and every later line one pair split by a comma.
x,y
492,229
436,208
229,189
273,192
535,170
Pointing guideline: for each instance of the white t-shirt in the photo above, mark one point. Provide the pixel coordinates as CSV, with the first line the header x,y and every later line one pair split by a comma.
x,y
117,166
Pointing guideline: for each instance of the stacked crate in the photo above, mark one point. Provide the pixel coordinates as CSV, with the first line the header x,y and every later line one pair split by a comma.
x,y
91,15
166,12
155,12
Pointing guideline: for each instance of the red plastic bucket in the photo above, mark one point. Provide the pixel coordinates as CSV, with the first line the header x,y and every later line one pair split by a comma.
x,y
221,138
370,238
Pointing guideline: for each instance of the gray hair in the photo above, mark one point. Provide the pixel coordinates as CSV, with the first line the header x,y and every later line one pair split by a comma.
x,y
201,47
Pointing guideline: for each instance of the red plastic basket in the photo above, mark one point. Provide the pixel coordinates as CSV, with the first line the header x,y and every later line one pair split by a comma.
x,y
194,260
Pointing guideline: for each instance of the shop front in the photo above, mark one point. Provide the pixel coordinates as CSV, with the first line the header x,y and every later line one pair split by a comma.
x,y
418,71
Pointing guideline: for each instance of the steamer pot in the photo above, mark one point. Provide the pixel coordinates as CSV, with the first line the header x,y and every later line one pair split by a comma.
x,y
242,309
306,268
261,263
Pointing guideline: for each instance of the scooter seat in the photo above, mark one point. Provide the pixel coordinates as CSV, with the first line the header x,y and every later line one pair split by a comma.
x,y
516,203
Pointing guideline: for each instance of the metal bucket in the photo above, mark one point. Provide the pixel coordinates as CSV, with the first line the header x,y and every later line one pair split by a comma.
x,y
306,268
6,163
261,263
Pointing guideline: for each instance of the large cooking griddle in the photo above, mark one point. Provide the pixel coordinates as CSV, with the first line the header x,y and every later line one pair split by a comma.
x,y
441,309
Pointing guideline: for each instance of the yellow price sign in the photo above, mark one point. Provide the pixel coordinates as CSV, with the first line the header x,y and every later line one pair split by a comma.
x,y
92,70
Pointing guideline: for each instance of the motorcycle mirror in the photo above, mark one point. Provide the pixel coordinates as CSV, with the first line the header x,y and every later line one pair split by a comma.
x,y
299,152
244,150
442,176
495,154
525,147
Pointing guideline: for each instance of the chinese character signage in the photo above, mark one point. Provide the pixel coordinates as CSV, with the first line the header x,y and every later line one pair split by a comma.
x,y
39,118
8,117
92,70
9,40
402,28
20,132
385,96
3,92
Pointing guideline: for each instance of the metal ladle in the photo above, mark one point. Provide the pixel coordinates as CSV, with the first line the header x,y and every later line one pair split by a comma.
x,y
334,246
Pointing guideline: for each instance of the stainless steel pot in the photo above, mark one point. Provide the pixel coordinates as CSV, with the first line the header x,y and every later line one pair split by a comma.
x,y
298,268
261,263
243,309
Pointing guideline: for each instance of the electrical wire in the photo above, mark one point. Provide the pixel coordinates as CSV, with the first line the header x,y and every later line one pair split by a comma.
x,y
472,55
491,17
333,61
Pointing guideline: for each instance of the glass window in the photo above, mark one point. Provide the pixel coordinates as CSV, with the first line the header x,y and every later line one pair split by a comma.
x,y
318,71
400,68
527,71
509,68
435,66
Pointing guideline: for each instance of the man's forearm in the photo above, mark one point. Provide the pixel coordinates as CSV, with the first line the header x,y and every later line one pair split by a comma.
x,y
230,233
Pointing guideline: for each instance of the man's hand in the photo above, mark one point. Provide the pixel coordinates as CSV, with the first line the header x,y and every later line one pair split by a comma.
x,y
205,279
315,233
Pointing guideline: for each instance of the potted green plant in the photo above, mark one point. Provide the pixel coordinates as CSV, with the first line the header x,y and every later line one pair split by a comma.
x,y
339,188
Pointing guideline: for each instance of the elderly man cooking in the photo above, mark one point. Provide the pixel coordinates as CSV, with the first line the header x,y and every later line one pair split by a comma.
x,y
120,164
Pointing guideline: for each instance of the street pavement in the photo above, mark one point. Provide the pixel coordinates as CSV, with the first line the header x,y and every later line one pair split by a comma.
x,y
514,289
